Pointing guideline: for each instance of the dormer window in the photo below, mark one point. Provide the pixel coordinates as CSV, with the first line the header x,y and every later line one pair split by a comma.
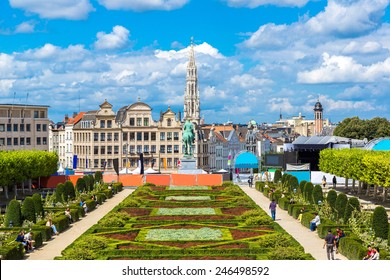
x,y
169,122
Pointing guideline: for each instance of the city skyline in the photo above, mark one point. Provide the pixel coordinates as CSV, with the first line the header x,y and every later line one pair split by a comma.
x,y
254,57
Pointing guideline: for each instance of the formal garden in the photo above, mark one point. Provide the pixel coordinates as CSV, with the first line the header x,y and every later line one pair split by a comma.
x,y
336,209
199,222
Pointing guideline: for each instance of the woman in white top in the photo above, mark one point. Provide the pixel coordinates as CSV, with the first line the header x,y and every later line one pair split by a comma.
x,y
375,256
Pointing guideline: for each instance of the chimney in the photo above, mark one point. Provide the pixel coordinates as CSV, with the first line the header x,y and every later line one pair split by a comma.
x,y
74,114
66,118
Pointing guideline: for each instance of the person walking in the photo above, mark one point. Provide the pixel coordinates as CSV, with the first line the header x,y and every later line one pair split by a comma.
x,y
330,244
324,181
272,207
334,180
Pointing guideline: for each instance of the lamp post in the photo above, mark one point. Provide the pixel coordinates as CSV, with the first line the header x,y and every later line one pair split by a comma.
x,y
159,161
126,147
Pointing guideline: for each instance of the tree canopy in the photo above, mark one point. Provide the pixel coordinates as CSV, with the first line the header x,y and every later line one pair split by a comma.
x,y
359,129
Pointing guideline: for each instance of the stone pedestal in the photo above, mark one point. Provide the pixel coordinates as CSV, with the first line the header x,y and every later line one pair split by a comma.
x,y
188,166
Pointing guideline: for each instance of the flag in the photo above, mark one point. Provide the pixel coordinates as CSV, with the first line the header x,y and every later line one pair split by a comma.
x,y
141,161
74,161
165,163
86,162
229,158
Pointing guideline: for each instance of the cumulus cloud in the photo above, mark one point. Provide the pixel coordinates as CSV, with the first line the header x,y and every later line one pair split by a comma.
x,y
117,39
55,9
143,5
25,27
202,49
257,3
342,69
367,48
277,104
248,81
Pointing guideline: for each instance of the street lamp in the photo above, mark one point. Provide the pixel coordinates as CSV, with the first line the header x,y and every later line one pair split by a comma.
x,y
126,148
159,161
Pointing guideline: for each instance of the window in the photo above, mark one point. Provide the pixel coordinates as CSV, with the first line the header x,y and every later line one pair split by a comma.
x,y
162,136
109,150
28,127
95,163
102,123
132,149
169,149
139,149
95,150
132,122
96,137
116,136
21,127
139,121
9,141
16,141
153,136
175,161
109,124
2,127
102,136
42,114
176,149
38,127
116,149
162,148
146,121
169,122
28,141
146,136
109,136
153,148
38,140
176,136
169,136
2,141
44,142
169,162
102,150
146,149
9,127
132,136
15,127
36,114
44,128
139,136
124,136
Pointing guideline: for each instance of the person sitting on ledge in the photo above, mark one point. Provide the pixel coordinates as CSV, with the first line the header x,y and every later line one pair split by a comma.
x,y
315,222
49,223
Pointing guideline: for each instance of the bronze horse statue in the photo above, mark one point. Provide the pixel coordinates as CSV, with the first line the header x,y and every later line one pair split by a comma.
x,y
188,138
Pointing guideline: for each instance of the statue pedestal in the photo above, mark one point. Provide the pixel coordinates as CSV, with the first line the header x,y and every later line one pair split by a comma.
x,y
188,166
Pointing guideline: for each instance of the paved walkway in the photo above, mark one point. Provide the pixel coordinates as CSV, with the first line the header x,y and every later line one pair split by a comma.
x,y
309,240
54,247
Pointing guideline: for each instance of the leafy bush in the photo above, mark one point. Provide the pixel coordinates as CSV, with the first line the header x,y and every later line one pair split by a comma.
x,y
98,177
277,176
87,180
114,220
276,195
13,214
86,248
59,192
301,189
276,240
341,204
38,205
331,198
283,203
251,213
287,253
258,221
28,210
69,192
309,192
353,204
81,185
352,249
12,251
317,194
293,184
380,223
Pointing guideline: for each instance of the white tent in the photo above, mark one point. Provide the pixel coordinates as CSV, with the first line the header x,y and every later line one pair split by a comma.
x,y
222,171
204,172
60,169
136,171
123,171
150,171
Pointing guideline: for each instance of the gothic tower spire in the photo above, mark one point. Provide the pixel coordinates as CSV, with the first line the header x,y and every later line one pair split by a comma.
x,y
191,94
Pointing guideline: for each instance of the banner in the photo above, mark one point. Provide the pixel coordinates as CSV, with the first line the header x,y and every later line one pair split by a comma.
x,y
141,167
115,162
74,161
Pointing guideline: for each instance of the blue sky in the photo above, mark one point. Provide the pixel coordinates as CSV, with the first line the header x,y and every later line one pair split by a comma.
x,y
254,57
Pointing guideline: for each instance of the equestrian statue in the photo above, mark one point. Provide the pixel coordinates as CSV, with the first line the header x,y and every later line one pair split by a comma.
x,y
188,138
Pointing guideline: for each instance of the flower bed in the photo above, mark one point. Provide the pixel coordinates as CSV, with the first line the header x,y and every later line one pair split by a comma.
x,y
183,211
187,198
189,188
202,234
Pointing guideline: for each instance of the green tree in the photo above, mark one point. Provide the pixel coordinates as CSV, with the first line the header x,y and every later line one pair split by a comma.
x,y
59,192
13,214
69,192
28,210
380,222
331,198
277,176
293,184
301,189
309,192
38,205
359,129
341,203
317,194
81,185
353,204
98,177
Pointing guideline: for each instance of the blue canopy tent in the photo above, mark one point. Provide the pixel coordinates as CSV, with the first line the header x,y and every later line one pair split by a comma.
x,y
246,160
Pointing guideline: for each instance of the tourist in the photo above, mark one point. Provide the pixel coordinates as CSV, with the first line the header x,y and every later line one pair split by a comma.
x,y
330,243
20,238
49,223
375,254
323,181
303,210
67,213
334,180
369,254
272,206
29,239
339,234
315,222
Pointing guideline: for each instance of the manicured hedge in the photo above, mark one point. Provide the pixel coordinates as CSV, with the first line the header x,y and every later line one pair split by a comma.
x,y
353,204
12,251
352,248
13,213
284,203
331,198
341,204
380,223
28,210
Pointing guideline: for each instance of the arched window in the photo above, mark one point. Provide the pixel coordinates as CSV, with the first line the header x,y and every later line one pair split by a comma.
x,y
169,122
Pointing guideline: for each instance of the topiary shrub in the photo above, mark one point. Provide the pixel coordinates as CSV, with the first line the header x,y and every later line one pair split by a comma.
x,y
38,205
287,253
352,204
293,184
341,204
87,183
352,249
114,220
59,192
380,223
258,221
309,192
283,203
331,198
81,185
301,189
317,195
13,214
86,248
277,176
69,192
28,210
98,177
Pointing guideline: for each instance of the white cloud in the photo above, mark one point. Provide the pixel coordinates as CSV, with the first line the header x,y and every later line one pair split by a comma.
x,y
277,104
348,18
341,69
55,9
117,39
25,27
143,5
248,81
202,49
367,48
257,3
